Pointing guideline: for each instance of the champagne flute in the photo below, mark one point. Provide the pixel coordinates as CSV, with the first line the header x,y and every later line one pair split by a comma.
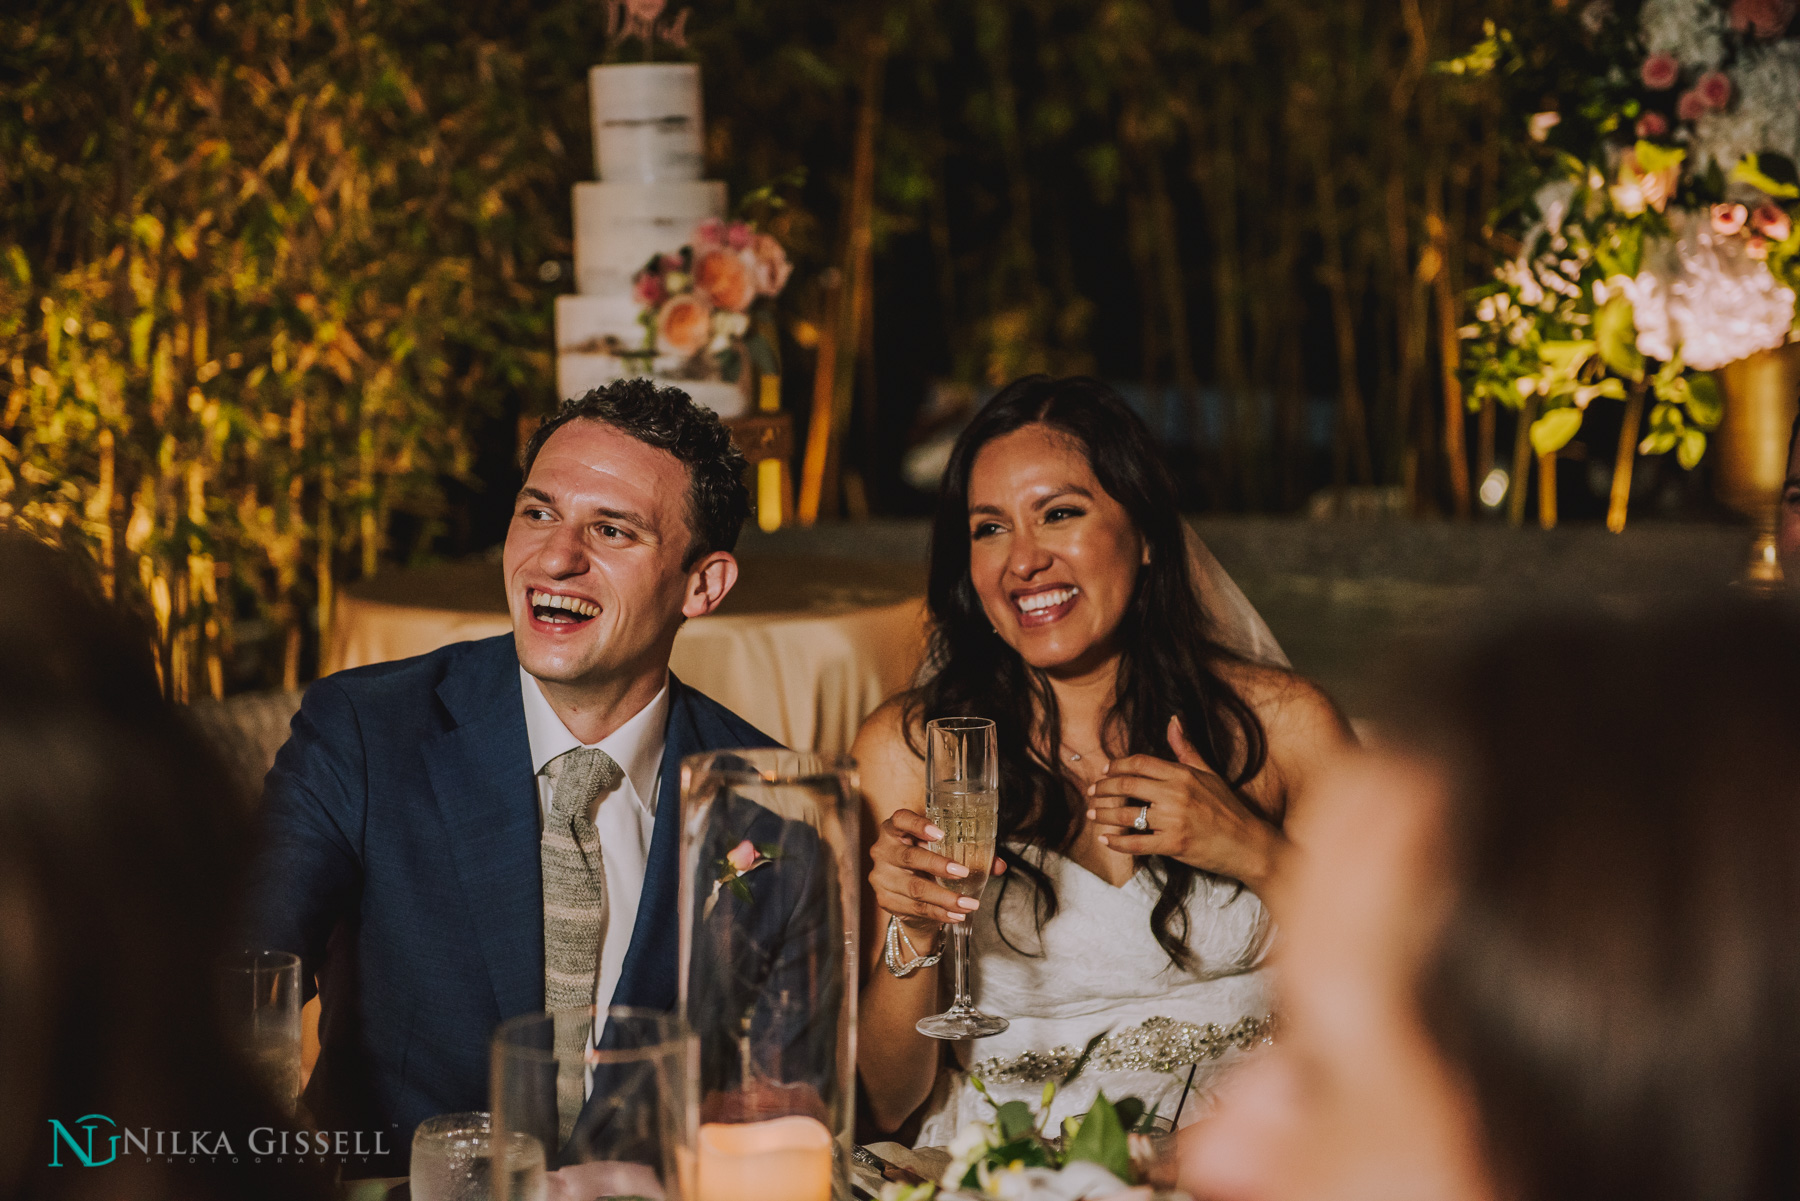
x,y
962,781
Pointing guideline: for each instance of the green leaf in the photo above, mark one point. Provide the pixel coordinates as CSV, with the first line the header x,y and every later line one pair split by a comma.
x,y
1551,432
739,889
1706,404
1566,357
1028,1151
1081,1060
1616,334
1693,445
1014,1120
1750,171
1651,157
1101,1140
1131,1112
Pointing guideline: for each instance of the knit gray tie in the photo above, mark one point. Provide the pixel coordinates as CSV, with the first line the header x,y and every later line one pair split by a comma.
x,y
574,908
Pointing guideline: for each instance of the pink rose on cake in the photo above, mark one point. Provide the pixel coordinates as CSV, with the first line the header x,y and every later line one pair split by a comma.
x,y
684,324
724,276
772,266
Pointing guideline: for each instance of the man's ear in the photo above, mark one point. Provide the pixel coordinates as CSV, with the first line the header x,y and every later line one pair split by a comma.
x,y
708,582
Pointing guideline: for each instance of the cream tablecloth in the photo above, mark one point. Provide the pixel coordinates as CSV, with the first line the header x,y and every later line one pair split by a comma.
x,y
803,648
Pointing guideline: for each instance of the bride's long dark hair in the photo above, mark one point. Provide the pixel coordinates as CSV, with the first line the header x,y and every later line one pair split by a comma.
x,y
1168,666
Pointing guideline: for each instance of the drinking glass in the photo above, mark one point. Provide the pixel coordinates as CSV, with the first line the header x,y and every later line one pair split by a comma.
x,y
962,798
453,1160
620,1131
259,995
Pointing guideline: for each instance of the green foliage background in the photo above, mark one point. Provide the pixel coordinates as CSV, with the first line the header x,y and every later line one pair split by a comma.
x,y
272,265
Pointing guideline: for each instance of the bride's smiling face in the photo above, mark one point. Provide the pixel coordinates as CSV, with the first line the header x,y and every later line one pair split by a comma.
x,y
1053,557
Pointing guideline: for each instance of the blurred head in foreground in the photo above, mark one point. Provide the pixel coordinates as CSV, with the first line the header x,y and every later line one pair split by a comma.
x,y
1552,952
118,843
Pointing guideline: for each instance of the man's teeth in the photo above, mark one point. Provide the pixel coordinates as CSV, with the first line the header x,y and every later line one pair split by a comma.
x,y
573,605
1046,600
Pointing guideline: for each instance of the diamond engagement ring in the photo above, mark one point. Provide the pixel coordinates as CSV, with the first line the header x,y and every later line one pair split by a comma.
x,y
1141,822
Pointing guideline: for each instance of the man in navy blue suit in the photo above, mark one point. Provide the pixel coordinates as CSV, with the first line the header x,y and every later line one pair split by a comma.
x,y
415,854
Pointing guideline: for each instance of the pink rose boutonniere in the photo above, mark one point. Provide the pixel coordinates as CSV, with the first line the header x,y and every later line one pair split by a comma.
x,y
739,862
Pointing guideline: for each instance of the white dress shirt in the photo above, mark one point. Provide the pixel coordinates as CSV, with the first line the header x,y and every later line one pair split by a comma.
x,y
625,816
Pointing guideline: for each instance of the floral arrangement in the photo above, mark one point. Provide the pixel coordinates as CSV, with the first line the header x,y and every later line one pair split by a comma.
x,y
1101,1154
1653,237
707,305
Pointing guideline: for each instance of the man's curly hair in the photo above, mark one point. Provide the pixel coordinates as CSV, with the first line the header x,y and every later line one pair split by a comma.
x,y
666,418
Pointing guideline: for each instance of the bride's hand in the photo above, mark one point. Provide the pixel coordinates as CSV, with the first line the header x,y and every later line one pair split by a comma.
x,y
906,876
1194,815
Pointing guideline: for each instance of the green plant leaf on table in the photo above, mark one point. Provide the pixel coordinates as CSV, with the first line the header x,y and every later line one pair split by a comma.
x,y
1102,1140
1551,432
1014,1119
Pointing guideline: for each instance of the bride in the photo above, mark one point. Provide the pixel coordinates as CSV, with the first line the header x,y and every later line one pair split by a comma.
x,y
1146,771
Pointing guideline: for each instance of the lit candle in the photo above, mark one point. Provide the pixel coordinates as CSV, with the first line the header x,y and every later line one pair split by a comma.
x,y
785,1159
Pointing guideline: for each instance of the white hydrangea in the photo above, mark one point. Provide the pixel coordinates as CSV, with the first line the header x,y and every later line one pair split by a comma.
x,y
1702,295
1691,30
1765,114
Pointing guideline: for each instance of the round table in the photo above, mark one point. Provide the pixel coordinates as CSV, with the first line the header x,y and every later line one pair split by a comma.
x,y
803,648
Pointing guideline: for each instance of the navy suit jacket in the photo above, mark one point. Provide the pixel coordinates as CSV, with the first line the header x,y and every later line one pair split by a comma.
x,y
400,861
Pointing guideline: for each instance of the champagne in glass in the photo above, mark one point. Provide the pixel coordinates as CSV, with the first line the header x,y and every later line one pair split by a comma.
x,y
969,821
962,799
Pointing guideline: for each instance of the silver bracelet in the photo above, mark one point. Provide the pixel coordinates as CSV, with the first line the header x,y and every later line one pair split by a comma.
x,y
896,933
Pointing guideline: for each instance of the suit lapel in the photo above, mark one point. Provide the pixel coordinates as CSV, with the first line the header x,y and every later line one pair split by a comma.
x,y
480,772
647,978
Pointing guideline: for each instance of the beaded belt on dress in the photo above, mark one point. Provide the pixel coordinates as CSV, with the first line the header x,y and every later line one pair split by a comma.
x,y
1158,1045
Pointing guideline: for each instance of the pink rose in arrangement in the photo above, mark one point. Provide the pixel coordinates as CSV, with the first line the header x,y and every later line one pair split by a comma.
x,y
683,325
709,235
725,277
1652,125
1714,88
738,235
1691,107
772,266
1661,71
742,857
1757,248
1764,18
1771,221
1727,219
647,289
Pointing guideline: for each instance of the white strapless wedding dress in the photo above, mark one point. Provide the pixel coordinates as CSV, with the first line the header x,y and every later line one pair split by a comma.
x,y
1097,968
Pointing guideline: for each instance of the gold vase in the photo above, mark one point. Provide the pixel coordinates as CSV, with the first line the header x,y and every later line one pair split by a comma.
x,y
1750,447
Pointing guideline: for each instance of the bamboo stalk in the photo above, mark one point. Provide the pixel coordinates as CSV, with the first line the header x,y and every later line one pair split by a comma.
x,y
1521,463
1626,458
1456,454
1352,417
1547,491
818,425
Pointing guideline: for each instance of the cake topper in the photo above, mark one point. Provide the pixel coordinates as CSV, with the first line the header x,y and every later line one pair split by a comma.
x,y
643,19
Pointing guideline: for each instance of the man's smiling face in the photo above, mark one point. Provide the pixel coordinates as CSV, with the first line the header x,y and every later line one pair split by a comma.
x,y
594,566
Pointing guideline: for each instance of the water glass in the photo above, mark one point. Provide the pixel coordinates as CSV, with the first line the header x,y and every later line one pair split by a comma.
x,y
453,1160
259,994
617,1125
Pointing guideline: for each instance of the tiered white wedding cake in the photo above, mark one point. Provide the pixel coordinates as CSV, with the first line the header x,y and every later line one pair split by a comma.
x,y
647,146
